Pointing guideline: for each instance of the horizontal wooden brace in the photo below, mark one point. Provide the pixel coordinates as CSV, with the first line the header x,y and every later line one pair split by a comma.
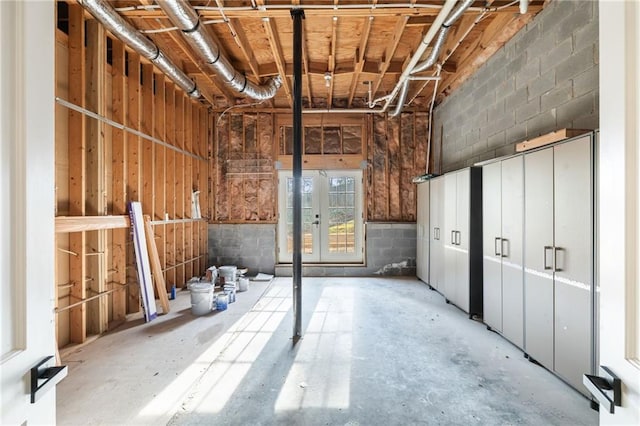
x,y
125,128
66,224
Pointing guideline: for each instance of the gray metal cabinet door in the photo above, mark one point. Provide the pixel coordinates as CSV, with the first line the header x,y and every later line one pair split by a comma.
x,y
511,250
436,254
448,237
463,205
491,244
538,276
573,259
422,230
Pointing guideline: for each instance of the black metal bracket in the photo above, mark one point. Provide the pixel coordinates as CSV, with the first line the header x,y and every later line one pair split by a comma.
x,y
44,377
607,389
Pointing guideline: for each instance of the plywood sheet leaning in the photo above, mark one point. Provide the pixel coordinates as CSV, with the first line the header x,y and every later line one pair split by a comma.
x,y
142,261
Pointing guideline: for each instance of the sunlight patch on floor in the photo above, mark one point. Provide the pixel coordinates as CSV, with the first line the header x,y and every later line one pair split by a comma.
x,y
321,373
208,383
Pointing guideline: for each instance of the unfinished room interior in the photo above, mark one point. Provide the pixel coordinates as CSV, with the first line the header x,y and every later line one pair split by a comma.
x,y
323,212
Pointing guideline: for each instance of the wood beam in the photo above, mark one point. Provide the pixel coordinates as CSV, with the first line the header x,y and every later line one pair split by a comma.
x,y
390,51
332,56
276,49
77,181
147,125
311,12
78,224
159,166
118,171
360,52
133,163
96,186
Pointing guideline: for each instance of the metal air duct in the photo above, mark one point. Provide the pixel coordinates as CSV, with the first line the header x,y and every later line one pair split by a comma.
x,y
442,36
433,56
183,16
126,32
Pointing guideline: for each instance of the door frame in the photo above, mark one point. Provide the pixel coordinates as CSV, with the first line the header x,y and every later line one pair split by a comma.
x,y
321,203
618,203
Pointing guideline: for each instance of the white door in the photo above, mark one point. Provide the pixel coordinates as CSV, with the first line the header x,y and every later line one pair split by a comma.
x,y
448,238
436,249
491,244
332,220
511,250
619,212
26,207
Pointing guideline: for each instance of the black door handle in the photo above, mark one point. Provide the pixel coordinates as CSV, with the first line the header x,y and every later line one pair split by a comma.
x,y
606,389
48,376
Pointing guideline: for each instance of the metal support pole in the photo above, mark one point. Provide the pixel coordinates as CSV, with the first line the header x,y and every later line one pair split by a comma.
x,y
297,15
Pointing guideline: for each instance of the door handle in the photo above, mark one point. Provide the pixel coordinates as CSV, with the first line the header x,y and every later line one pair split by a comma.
x,y
438,229
607,389
555,259
546,267
495,246
49,376
458,238
452,238
505,253
317,221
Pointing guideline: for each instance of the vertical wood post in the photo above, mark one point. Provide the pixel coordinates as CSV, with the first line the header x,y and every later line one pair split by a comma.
x,y
77,264
96,185
118,170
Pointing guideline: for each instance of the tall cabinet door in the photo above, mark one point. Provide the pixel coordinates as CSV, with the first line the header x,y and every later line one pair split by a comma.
x,y
463,198
448,237
573,259
422,230
538,205
511,252
436,216
491,244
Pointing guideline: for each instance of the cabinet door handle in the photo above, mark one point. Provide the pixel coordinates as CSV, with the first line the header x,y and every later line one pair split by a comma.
x,y
453,238
458,238
555,259
505,253
495,246
546,267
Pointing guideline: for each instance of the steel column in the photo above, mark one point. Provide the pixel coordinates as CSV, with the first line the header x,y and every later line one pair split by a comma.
x,y
297,15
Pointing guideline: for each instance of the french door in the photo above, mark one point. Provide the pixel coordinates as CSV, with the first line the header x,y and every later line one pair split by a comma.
x,y
332,230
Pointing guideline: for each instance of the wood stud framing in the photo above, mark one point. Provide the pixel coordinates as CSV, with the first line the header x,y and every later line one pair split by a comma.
x,y
110,166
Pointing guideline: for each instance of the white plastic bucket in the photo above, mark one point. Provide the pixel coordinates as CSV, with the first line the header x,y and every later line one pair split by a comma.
x,y
228,272
201,298
243,284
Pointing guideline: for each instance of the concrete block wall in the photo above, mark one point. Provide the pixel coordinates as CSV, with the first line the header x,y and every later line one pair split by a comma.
x,y
545,78
390,250
252,246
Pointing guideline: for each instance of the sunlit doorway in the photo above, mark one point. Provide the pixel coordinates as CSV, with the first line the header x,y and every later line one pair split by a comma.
x,y
332,230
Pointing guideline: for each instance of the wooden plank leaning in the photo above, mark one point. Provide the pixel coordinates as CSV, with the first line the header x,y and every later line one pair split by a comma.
x,y
156,267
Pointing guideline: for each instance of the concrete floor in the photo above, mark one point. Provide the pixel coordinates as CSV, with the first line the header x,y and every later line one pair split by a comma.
x,y
375,351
